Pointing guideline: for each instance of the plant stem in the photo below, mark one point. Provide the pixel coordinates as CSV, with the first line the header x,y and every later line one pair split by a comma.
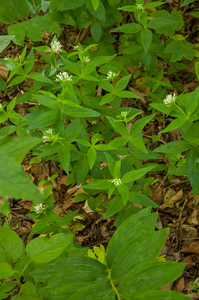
x,y
113,286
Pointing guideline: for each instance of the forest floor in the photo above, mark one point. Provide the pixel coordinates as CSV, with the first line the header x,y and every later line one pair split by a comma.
x,y
178,207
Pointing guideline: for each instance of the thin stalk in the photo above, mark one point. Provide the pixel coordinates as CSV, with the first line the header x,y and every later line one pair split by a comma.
x,y
113,286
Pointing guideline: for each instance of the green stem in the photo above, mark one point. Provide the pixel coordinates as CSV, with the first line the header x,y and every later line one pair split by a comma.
x,y
113,286
181,110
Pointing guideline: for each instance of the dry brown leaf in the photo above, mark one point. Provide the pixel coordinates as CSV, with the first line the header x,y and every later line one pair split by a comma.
x,y
26,204
169,194
63,179
194,296
189,262
192,247
189,232
167,287
179,285
192,219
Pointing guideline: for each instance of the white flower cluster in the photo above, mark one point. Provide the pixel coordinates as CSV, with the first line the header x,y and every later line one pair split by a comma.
x,y
75,47
63,76
116,181
86,59
56,47
38,208
124,114
170,99
46,137
139,6
111,75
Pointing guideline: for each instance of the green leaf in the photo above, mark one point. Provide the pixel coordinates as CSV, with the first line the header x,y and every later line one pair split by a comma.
x,y
95,4
43,250
136,174
192,133
192,166
47,118
138,143
133,227
11,247
139,198
99,13
153,4
8,12
48,24
166,23
186,2
105,85
40,78
5,41
70,4
64,157
22,8
177,123
179,49
146,38
115,205
163,295
137,250
73,110
128,28
96,31
18,147
82,169
126,94
91,155
138,125
197,69
5,208
14,182
156,275
124,192
122,83
173,147
16,80
119,127
192,102
6,271
19,32
98,185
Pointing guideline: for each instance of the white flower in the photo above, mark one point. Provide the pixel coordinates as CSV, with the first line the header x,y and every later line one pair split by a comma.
x,y
56,47
47,137
170,99
64,76
38,208
86,59
116,181
124,114
111,75
75,47
139,6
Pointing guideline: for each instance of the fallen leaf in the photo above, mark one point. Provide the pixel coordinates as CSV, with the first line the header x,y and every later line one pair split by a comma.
x,y
192,219
179,285
192,247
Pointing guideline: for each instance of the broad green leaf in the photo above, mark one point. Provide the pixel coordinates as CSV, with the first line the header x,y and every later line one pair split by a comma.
x,y
8,12
119,127
197,69
27,291
177,123
179,49
115,205
40,78
134,226
5,41
46,101
96,31
118,142
124,192
64,157
192,133
95,4
126,94
163,295
146,38
136,174
16,80
153,4
97,291
175,146
22,8
91,155
111,163
14,182
166,23
156,274
105,85
19,32
128,28
192,165
30,62
6,270
18,147
48,24
137,250
186,2
5,208
138,125
99,13
72,66
6,287
139,198
71,4
33,31
79,111
47,118
43,250
11,247
107,99
102,184
122,83
138,143
82,169
192,102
